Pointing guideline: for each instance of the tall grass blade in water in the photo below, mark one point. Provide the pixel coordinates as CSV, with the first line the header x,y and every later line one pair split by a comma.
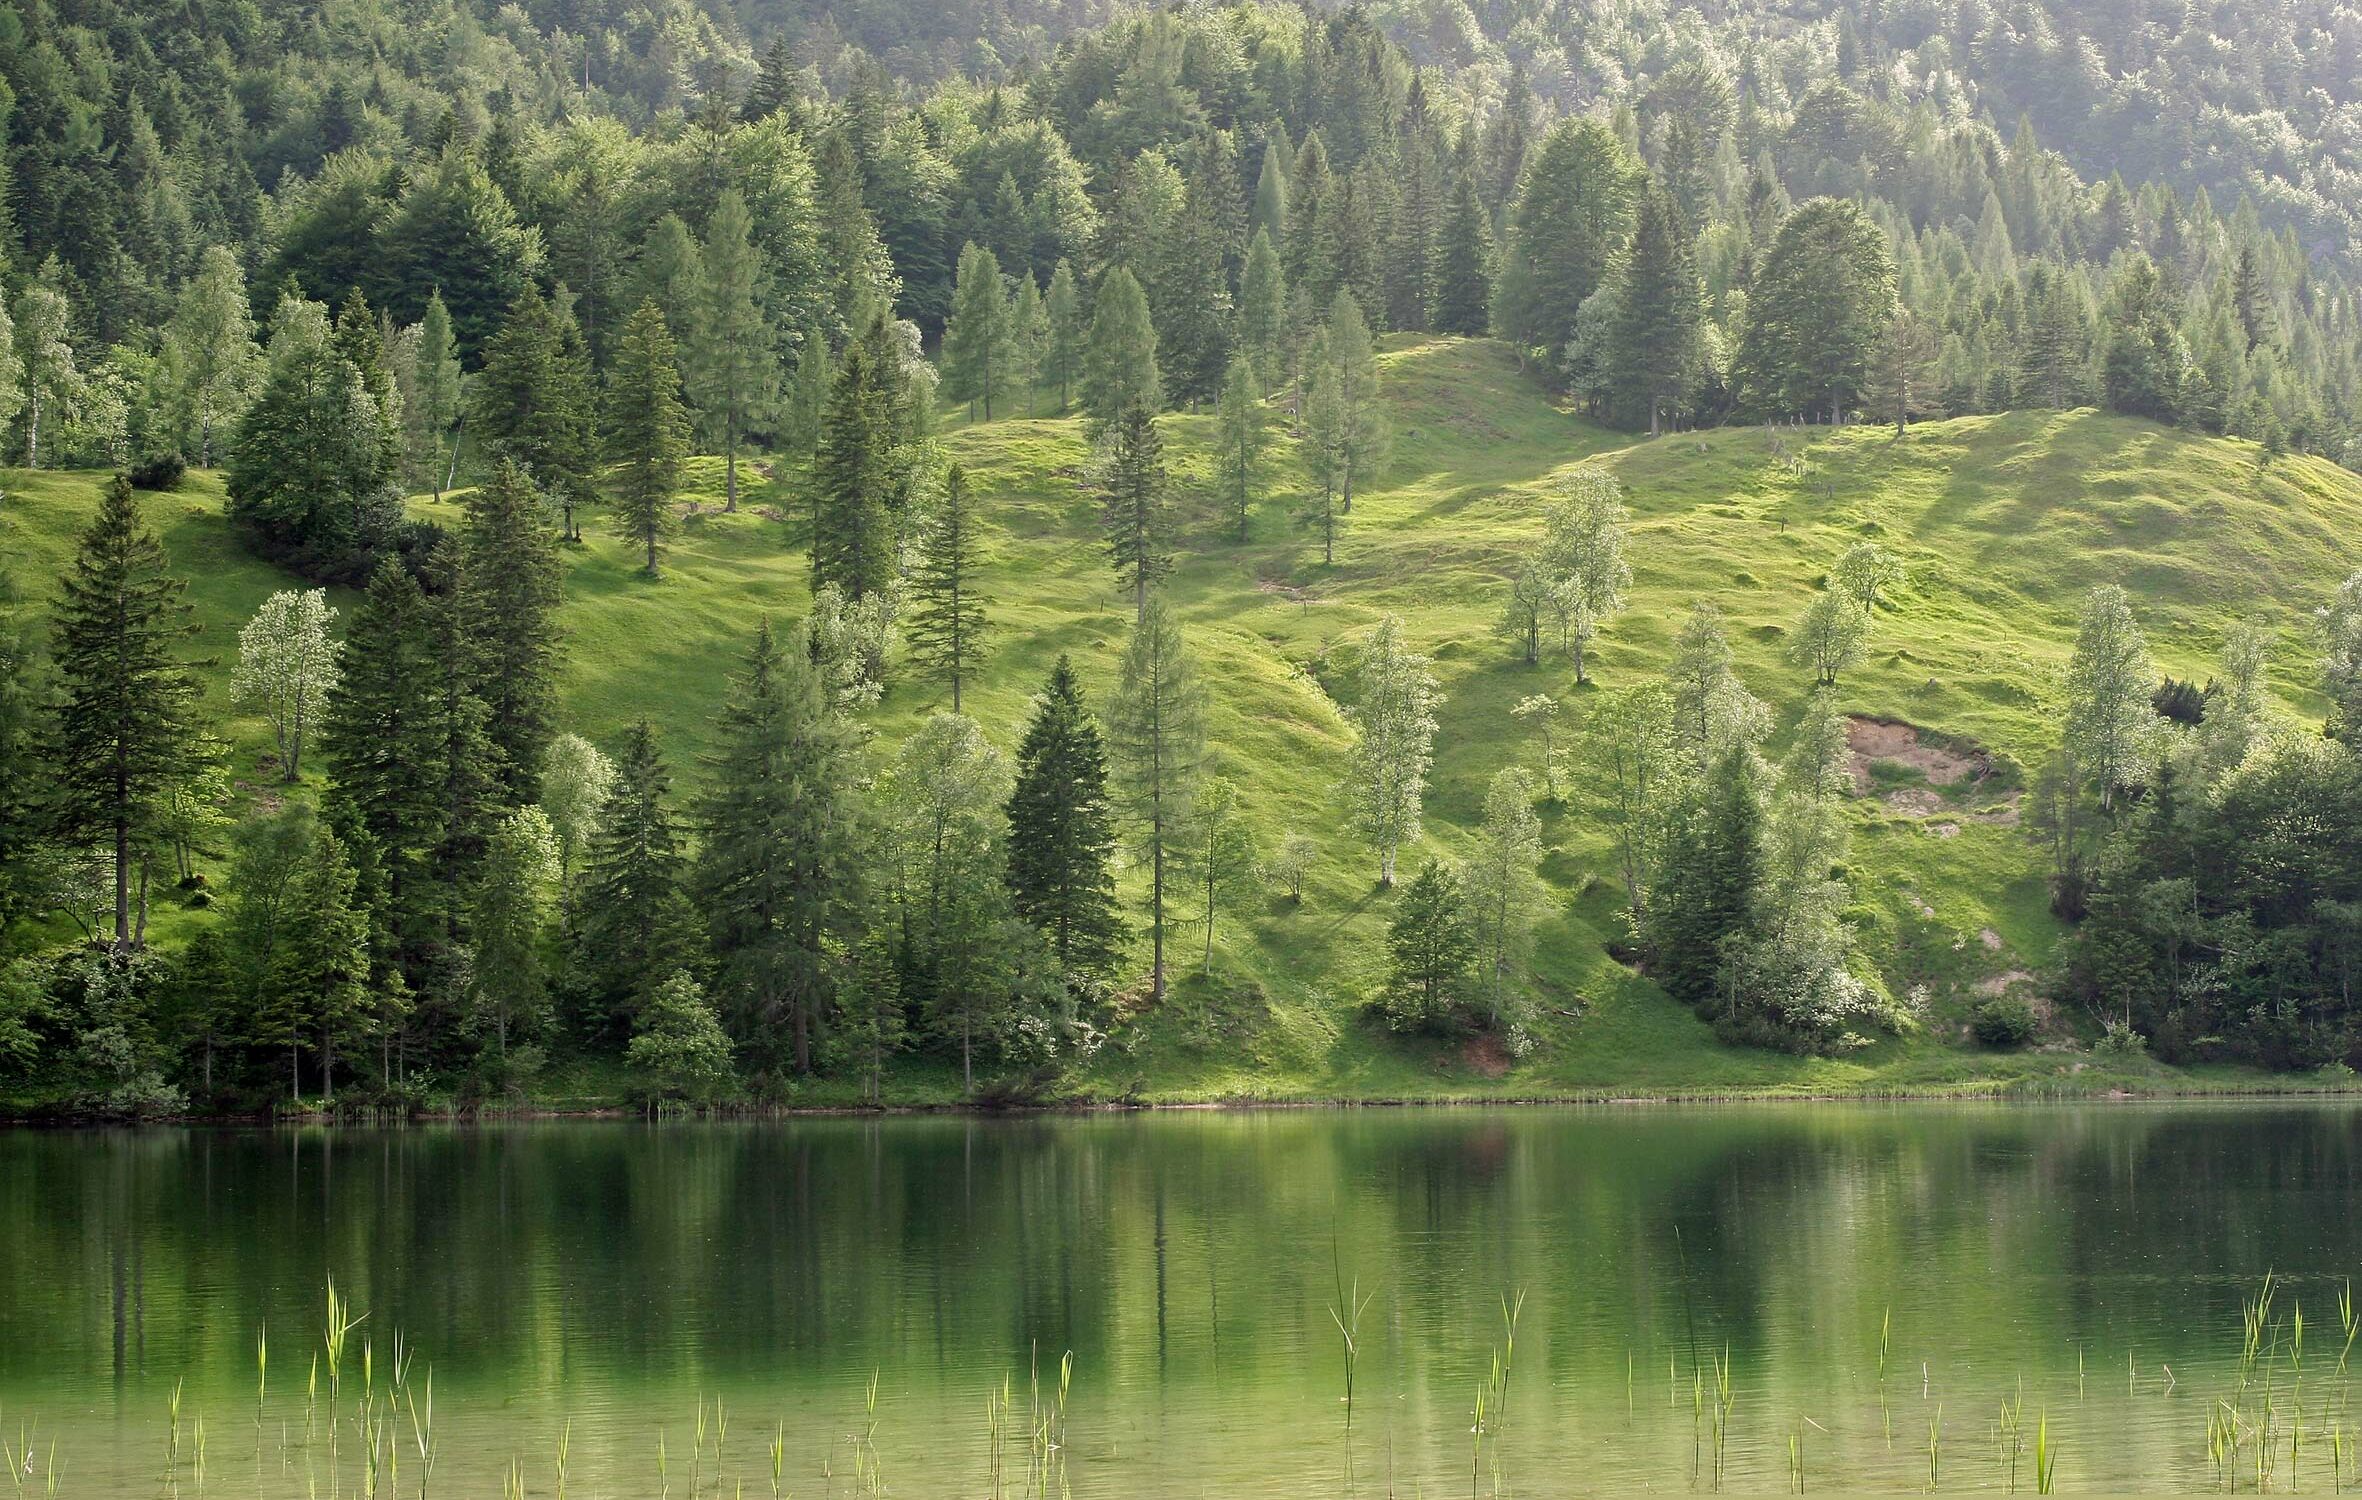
x,y
2045,1457
1346,1313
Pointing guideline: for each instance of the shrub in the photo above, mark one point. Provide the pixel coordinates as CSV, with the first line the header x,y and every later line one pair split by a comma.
x,y
2004,1021
159,471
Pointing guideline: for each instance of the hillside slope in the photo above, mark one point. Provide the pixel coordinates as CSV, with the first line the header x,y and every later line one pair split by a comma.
x,y
2005,521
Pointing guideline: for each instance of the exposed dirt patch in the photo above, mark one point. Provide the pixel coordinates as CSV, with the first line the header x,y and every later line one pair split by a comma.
x,y
1944,830
1892,742
2003,982
1918,801
1991,940
1485,1056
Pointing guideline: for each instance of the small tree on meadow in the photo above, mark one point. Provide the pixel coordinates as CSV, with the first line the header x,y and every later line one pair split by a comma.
x,y
287,668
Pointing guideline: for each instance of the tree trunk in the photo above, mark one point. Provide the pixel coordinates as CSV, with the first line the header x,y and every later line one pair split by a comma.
x,y
122,884
1156,903
451,471
730,468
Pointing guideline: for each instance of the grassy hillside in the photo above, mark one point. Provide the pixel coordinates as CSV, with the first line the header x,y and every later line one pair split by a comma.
x,y
2005,522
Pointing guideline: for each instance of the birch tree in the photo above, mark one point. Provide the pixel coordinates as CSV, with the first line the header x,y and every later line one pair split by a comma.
x,y
1396,718
287,667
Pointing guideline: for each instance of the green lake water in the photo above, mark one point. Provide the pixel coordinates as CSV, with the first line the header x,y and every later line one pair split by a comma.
x,y
608,1288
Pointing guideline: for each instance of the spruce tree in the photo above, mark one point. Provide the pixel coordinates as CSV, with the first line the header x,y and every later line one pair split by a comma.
x,y
647,432
382,744
1119,365
1459,279
1062,832
1430,950
125,731
947,621
733,365
318,980
854,481
1701,901
23,777
510,590
310,470
779,872
1157,731
534,403
1653,348
637,926
1819,305
976,340
1573,211
1194,337
1263,310
1134,504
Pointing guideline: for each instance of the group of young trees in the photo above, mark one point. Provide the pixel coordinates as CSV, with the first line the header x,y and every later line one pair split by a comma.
x,y
2204,847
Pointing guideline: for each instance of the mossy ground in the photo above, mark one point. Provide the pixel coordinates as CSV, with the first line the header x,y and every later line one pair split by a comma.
x,y
2006,522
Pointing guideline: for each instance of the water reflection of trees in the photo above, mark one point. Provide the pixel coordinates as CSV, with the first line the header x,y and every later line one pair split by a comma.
x,y
1185,1253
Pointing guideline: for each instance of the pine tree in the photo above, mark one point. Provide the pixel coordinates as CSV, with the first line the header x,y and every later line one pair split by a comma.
x,y
779,872
23,777
508,602
1820,302
976,340
1135,506
1394,744
1654,340
733,365
947,622
1269,214
533,403
1119,366
1240,422
637,926
1069,337
854,480
647,432
1343,426
1157,731
1062,834
125,731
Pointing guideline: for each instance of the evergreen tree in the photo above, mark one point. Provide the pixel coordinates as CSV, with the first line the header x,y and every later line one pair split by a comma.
x,y
779,871
1061,832
1135,506
1263,309
125,732
383,743
534,403
1459,273
854,481
947,623
647,432
1394,743
311,468
1654,350
1573,210
1067,351
508,598
1240,422
23,777
1429,952
733,364
1157,731
2146,363
871,1024
977,339
1193,336
806,405
1119,365
2251,298
637,927
1899,366
1702,899
318,979
436,407
1269,214
1343,425
1820,302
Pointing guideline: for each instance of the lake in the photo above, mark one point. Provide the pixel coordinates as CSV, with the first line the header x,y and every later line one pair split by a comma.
x,y
1701,1296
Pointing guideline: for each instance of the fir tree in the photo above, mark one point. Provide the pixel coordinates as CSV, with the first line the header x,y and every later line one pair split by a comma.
x,y
534,403
1820,302
435,412
780,868
1654,348
647,432
1459,276
508,602
854,482
637,926
125,732
1061,832
1573,210
1429,950
947,622
382,742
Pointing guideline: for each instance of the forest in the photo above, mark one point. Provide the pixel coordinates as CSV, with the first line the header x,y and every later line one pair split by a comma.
x,y
978,393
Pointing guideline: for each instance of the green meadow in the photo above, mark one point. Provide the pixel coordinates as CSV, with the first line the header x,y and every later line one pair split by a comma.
x,y
2005,522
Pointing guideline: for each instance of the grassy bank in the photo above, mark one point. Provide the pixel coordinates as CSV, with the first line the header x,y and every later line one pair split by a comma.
x,y
2005,521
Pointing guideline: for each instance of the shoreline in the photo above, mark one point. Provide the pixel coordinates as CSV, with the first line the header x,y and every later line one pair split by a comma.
x,y
1997,1092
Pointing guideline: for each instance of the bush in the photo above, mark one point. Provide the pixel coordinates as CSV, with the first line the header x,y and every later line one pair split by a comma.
x,y
2004,1021
159,471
